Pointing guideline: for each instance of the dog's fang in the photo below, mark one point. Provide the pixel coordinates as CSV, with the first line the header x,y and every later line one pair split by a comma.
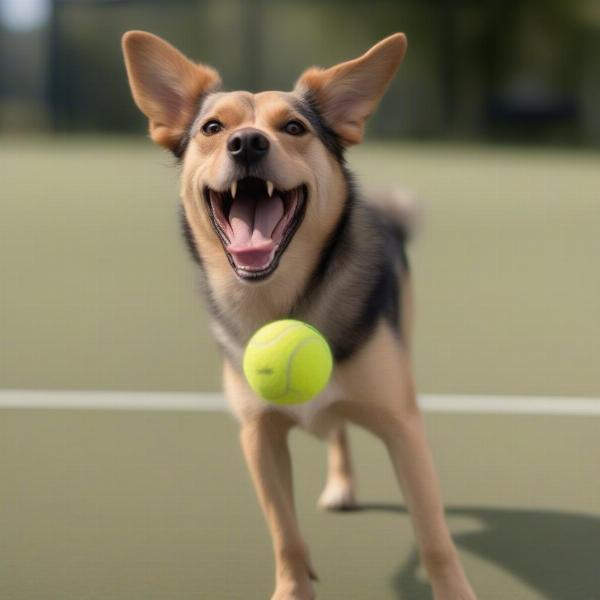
x,y
270,188
233,189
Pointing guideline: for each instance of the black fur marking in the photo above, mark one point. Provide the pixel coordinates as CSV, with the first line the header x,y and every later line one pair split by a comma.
x,y
308,107
384,297
397,240
188,236
334,247
376,291
381,300
183,143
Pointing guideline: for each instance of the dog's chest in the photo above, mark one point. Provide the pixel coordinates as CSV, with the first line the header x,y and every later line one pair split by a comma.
x,y
316,415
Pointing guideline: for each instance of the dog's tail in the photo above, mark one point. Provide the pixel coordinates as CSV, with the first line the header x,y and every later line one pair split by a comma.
x,y
399,206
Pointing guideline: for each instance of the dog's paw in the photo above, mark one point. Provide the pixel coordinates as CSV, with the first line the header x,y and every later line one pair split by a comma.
x,y
455,588
465,594
337,495
294,591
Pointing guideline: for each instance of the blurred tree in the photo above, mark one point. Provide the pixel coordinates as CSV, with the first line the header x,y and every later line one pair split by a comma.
x,y
491,68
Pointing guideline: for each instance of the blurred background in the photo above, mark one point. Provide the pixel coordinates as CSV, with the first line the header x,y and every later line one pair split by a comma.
x,y
482,70
493,122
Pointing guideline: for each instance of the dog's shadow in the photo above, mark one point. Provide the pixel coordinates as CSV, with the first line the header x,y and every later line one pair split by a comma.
x,y
557,554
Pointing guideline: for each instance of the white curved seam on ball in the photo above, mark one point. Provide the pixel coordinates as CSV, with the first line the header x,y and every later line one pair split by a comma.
x,y
277,337
288,367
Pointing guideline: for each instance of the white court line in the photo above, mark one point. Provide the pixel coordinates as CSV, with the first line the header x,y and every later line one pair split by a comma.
x,y
109,400
187,401
511,405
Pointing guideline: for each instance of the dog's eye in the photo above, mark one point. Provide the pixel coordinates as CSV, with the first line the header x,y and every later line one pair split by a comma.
x,y
294,128
211,127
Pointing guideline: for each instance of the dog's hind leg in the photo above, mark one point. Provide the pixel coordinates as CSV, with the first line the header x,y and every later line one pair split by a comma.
x,y
264,440
339,492
381,397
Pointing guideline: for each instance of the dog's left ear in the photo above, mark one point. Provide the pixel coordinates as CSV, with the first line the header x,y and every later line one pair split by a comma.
x,y
348,93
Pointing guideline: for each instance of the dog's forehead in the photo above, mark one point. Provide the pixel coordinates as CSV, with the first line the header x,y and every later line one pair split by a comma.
x,y
274,100
247,102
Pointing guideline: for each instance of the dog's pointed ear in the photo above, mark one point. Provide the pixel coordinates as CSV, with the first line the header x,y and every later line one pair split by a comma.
x,y
165,85
348,93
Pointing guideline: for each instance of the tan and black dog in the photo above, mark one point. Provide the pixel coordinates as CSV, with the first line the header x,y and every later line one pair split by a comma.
x,y
278,229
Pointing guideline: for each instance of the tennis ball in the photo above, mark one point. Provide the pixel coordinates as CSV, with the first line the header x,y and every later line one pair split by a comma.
x,y
287,362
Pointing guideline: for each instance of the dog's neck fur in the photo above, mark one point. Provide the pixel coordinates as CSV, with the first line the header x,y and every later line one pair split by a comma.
x,y
355,261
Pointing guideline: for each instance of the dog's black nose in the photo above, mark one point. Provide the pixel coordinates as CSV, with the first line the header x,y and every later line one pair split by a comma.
x,y
248,146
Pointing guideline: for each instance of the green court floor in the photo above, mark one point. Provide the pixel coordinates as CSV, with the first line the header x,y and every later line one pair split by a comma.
x,y
98,292
158,506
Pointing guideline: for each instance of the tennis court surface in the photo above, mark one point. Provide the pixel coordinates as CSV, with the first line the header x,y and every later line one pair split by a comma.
x,y
108,498
157,505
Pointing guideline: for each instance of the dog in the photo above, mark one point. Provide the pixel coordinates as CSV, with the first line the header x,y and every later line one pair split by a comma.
x,y
278,229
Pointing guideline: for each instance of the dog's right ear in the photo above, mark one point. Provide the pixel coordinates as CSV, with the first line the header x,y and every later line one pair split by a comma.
x,y
165,85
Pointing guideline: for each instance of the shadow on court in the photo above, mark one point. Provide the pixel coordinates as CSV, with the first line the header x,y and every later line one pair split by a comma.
x,y
555,553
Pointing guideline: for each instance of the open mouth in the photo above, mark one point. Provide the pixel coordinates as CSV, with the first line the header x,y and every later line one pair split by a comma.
x,y
255,222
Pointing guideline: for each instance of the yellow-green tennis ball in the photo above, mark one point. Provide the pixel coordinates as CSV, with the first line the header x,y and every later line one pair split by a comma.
x,y
287,362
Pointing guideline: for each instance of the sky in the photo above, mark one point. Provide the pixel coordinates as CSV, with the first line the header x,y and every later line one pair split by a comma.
x,y
24,15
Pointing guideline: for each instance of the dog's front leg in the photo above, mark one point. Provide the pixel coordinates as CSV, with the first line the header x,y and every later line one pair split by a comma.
x,y
265,448
382,398
264,441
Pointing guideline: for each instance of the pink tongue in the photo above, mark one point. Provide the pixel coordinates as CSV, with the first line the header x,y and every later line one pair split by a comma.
x,y
253,221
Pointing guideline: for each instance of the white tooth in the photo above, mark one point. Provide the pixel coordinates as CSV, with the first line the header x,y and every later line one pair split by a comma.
x,y
270,188
233,189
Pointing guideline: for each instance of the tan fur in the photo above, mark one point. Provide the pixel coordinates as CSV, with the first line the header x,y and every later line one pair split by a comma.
x,y
382,398
374,386
292,161
348,93
378,393
165,85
